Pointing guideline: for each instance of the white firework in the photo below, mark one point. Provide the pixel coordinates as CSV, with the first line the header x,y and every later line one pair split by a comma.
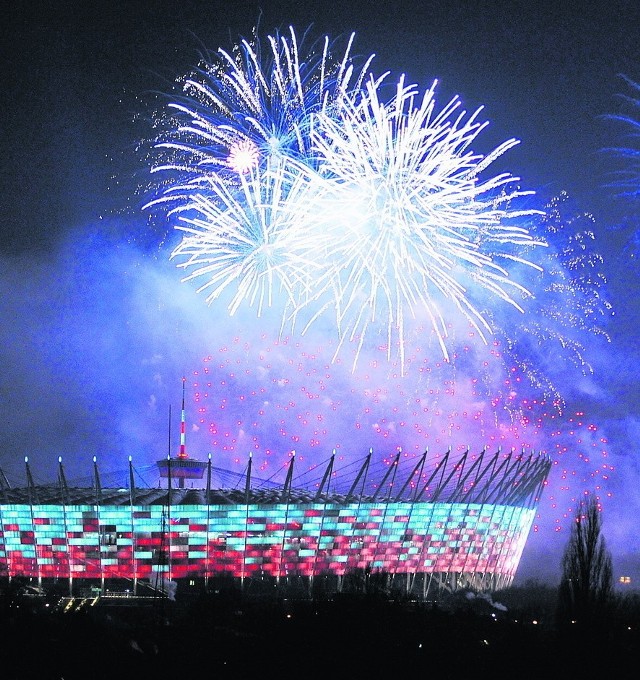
x,y
411,228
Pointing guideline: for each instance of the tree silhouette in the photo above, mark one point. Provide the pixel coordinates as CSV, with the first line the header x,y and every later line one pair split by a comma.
x,y
585,594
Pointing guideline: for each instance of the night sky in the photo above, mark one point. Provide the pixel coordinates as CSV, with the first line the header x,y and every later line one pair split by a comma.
x,y
97,330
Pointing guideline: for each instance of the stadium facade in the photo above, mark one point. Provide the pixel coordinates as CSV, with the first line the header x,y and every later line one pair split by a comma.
x,y
421,526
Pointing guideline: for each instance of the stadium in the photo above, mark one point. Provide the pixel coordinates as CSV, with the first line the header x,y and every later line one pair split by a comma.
x,y
420,527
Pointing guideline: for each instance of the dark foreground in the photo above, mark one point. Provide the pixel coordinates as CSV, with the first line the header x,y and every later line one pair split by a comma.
x,y
350,636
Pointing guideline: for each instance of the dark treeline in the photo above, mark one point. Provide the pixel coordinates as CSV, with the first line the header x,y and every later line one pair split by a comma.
x,y
352,634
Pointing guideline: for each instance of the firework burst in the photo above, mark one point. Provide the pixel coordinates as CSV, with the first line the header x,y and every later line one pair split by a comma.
x,y
626,181
413,231
570,307
250,102
372,213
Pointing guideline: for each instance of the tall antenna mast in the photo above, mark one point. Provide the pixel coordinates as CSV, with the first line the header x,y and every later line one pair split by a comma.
x,y
183,437
181,467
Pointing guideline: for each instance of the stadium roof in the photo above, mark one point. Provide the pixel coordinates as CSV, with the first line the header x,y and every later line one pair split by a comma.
x,y
498,478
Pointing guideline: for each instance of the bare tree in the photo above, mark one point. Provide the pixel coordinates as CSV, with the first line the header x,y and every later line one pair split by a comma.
x,y
585,594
